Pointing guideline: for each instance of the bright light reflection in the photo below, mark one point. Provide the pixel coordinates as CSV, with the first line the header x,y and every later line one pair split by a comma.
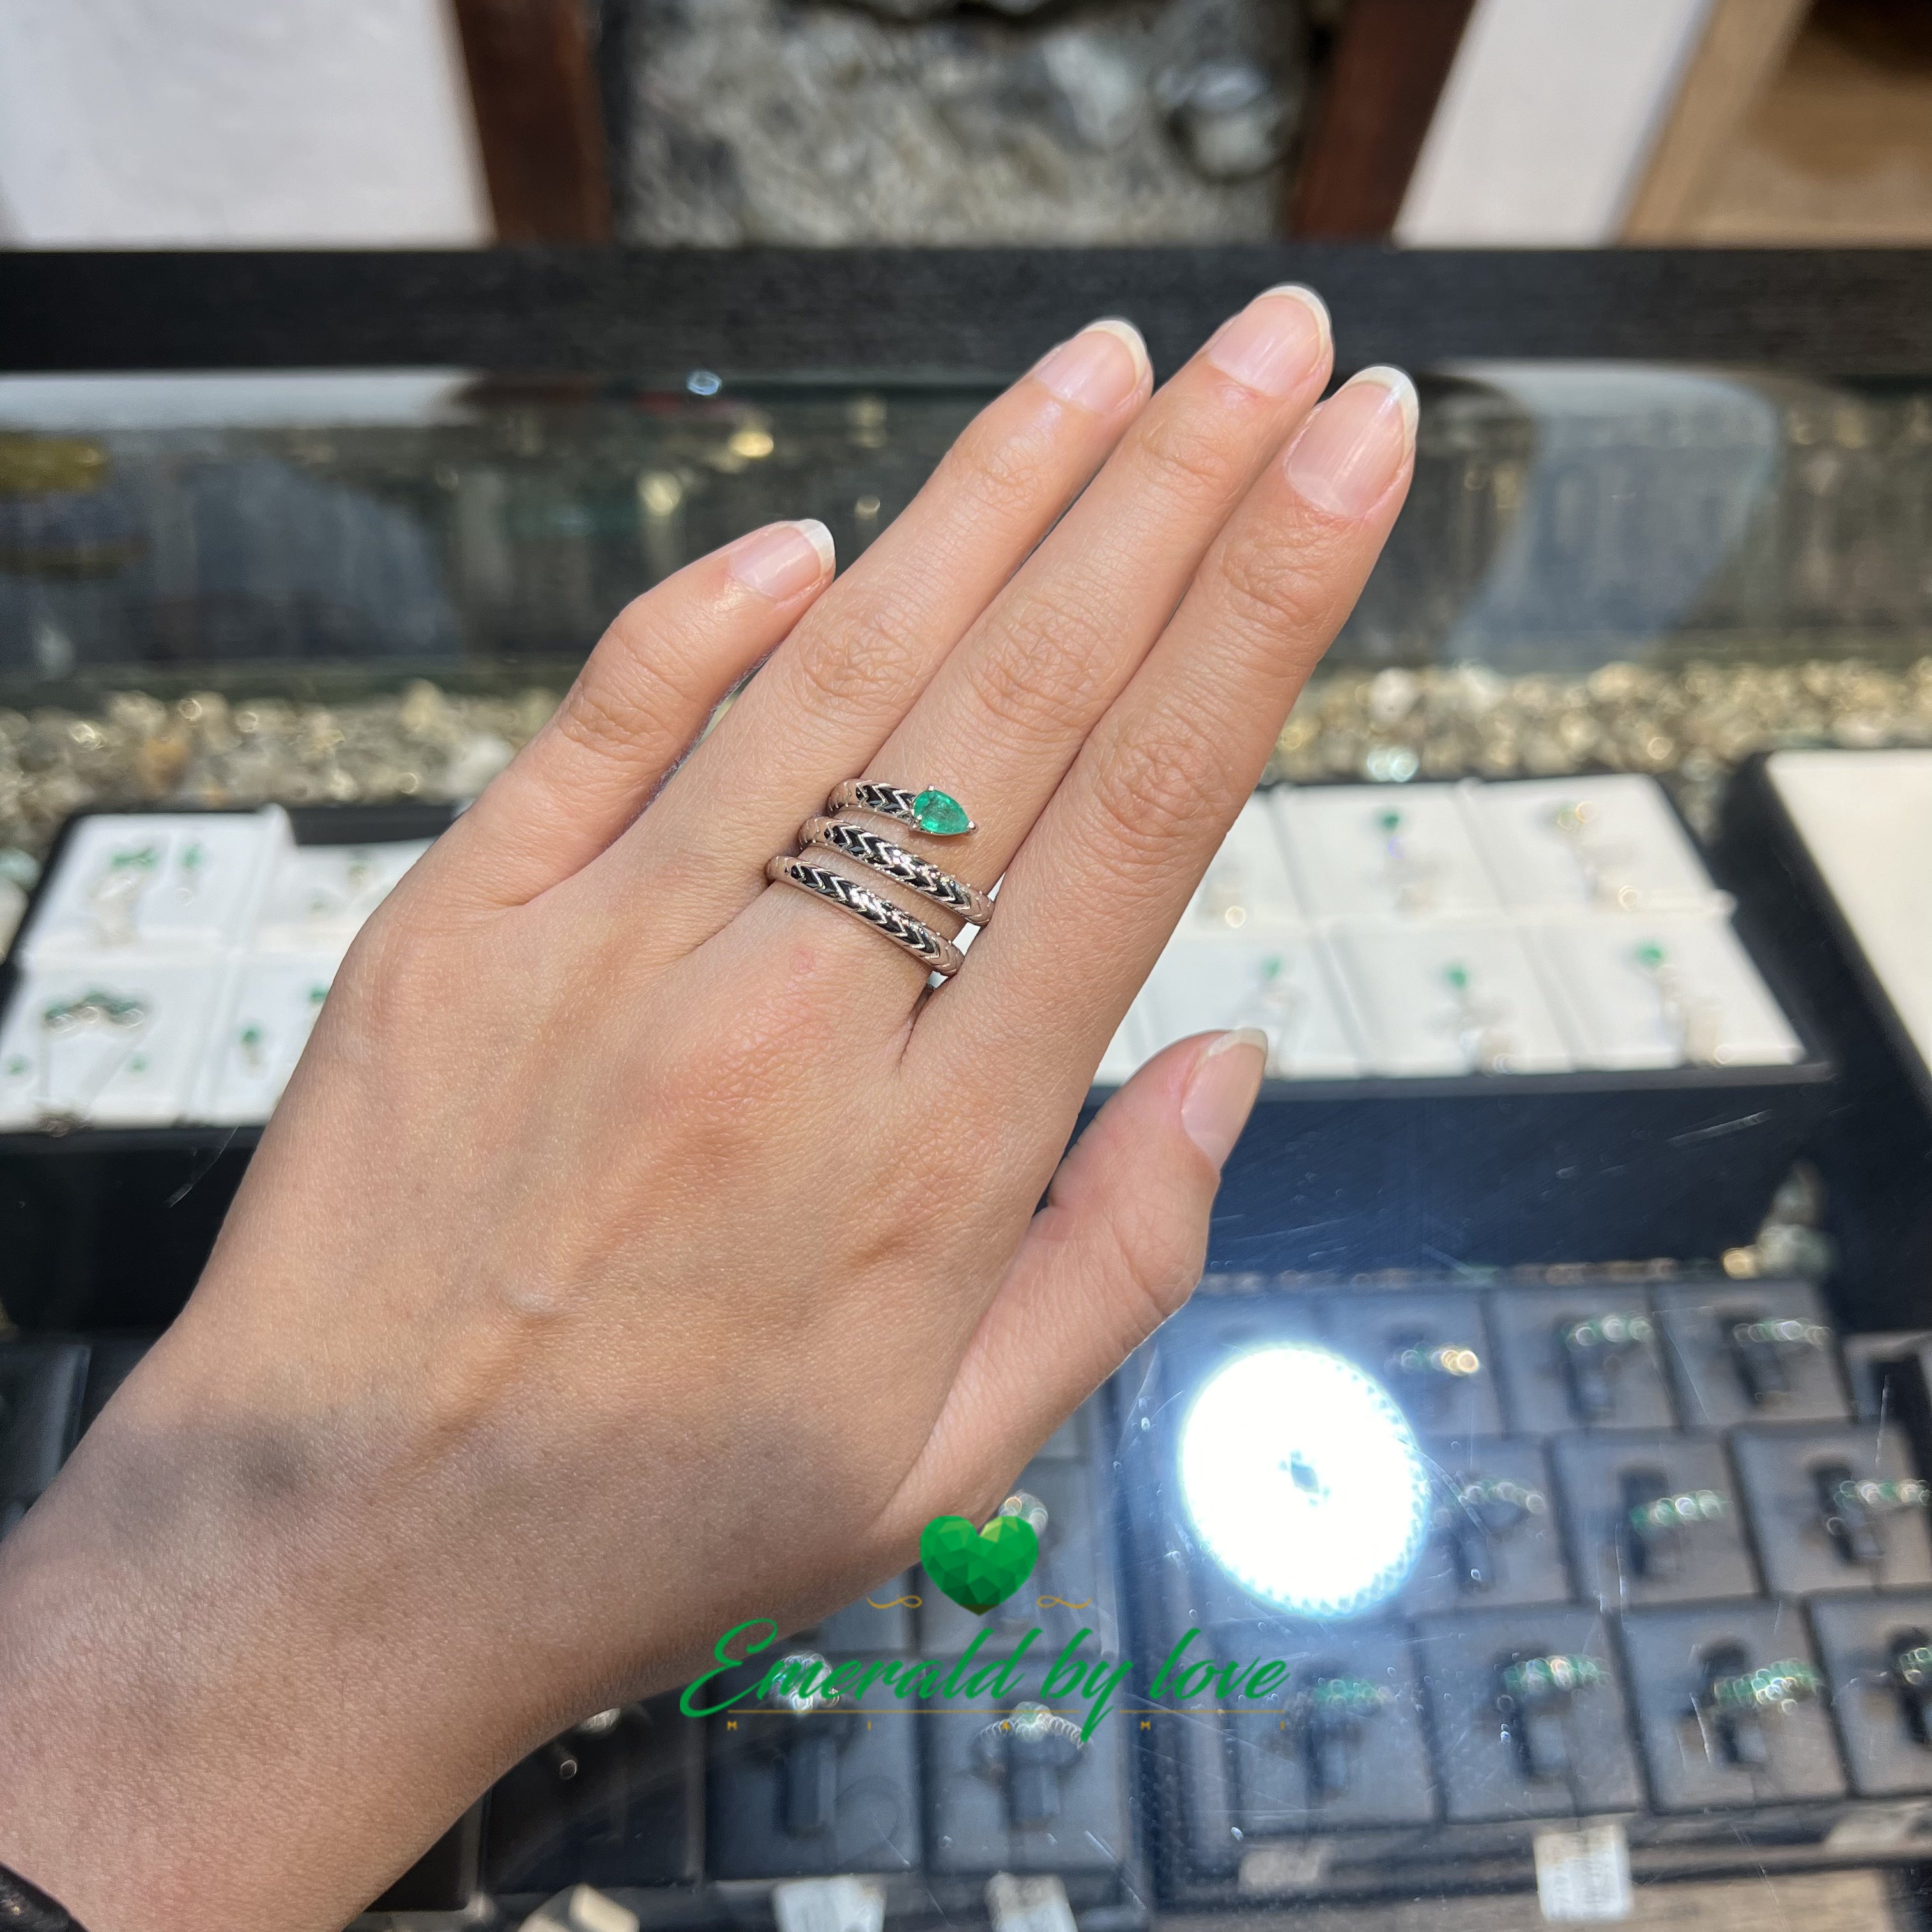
x,y
1304,1481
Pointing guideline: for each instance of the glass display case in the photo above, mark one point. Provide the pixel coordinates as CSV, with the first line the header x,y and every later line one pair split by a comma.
x,y
1533,1500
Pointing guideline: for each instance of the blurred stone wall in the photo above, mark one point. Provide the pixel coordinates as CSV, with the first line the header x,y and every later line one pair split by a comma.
x,y
843,122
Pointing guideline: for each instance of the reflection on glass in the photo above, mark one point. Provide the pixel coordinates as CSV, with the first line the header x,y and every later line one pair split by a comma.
x,y
1304,1481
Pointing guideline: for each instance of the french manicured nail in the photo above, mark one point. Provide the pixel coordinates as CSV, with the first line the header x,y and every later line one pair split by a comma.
x,y
1099,369
1275,343
1354,446
781,559
1221,1090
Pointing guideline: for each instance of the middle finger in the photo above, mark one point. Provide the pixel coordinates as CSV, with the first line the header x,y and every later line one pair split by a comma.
x,y
1006,714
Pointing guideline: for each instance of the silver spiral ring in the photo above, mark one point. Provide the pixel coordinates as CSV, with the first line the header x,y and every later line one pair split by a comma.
x,y
925,945
875,850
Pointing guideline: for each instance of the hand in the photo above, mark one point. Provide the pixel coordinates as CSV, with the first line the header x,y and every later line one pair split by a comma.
x,y
641,1247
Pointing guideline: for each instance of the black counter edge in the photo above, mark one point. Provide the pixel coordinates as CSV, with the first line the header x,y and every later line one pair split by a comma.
x,y
922,314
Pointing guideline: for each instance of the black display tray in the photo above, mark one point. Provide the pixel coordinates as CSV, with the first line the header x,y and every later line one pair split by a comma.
x,y
1512,1170
1873,1146
1634,1752
113,1225
1522,1169
110,1227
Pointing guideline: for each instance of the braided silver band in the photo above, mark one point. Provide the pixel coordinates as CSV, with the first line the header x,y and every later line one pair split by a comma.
x,y
925,945
893,801
875,850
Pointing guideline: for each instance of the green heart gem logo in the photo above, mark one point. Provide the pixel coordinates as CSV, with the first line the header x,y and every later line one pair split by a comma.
x,y
978,1568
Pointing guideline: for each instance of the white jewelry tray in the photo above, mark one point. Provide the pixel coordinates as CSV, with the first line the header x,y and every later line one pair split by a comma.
x,y
1603,845
153,885
133,1072
1280,982
1448,1000
319,896
1865,818
1384,852
1701,1000
268,1008
220,926
1248,888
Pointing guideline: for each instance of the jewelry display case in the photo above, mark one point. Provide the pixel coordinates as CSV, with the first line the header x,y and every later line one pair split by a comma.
x,y
1534,1498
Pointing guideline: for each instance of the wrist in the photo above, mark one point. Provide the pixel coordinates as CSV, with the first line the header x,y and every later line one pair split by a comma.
x,y
164,1761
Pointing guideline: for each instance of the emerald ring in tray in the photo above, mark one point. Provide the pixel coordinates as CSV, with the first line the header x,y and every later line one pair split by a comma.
x,y
936,813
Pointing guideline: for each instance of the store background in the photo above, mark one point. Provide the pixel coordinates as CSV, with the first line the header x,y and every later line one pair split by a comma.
x,y
1444,123
357,360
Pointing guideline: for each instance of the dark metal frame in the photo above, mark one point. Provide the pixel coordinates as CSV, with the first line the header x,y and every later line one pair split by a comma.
x,y
768,314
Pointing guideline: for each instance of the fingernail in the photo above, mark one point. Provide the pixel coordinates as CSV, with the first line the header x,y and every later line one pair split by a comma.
x,y
1354,446
781,559
1099,369
1221,1090
1275,343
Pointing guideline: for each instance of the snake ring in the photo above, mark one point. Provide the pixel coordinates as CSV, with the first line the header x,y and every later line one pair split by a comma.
x,y
911,934
874,849
931,810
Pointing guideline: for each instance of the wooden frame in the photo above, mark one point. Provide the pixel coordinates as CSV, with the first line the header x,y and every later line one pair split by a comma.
x,y
1376,102
534,89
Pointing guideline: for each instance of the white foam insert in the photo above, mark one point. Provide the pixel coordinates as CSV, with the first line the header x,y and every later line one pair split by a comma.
x,y
1414,1021
143,1075
1866,818
1349,864
1630,854
155,884
1615,1008
318,896
1279,983
1247,888
269,1010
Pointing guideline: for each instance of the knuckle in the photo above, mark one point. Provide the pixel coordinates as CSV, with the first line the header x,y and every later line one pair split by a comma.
x,y
1156,1264
395,982
1037,678
1149,787
607,722
1195,461
637,688
1271,587
1003,474
867,656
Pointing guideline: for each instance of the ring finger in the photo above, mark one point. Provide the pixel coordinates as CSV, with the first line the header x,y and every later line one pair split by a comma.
x,y
1006,712
846,675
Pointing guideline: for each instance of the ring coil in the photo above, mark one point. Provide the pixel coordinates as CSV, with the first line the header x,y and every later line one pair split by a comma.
x,y
894,862
912,935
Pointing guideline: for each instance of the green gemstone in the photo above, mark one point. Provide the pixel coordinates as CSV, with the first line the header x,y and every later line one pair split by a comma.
x,y
1457,975
941,815
1650,956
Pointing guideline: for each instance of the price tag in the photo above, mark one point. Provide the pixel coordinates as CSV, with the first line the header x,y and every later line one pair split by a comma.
x,y
844,1904
1027,1904
1583,1875
1286,1867
1881,1827
583,1909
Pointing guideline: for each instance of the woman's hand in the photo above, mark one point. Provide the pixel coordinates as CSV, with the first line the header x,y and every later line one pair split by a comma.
x,y
641,1247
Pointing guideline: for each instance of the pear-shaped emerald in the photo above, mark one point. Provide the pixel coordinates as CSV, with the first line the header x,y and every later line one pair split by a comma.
x,y
941,815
